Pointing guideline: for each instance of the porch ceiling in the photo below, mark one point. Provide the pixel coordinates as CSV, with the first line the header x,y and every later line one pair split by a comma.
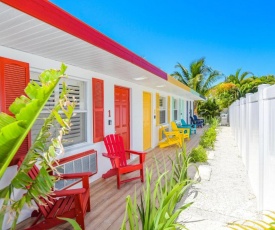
x,y
23,32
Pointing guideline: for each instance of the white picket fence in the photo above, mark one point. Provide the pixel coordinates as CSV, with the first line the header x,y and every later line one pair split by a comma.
x,y
252,119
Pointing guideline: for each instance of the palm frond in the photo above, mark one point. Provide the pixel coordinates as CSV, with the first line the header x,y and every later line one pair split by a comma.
x,y
177,75
213,77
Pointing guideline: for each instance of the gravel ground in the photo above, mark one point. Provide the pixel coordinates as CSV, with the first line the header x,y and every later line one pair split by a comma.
x,y
224,194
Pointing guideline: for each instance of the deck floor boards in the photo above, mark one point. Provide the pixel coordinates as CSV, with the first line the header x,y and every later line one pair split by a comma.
x,y
108,203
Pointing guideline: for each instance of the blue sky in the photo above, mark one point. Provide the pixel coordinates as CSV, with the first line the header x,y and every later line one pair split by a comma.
x,y
229,34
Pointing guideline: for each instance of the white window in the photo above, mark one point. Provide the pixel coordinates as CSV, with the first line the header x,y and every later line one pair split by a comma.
x,y
162,110
175,112
76,89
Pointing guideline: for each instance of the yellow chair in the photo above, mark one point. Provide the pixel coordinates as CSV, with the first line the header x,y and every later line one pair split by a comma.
x,y
171,138
185,132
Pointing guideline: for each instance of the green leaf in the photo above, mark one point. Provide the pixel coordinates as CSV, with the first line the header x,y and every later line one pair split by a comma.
x,y
72,222
5,119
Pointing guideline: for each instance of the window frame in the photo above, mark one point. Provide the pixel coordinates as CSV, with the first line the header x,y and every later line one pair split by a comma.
x,y
162,108
81,109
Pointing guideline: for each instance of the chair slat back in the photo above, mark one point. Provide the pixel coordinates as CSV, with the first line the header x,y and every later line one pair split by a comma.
x,y
192,120
183,122
174,126
115,147
46,205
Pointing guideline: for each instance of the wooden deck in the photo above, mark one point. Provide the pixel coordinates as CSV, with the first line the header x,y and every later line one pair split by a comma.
x,y
108,203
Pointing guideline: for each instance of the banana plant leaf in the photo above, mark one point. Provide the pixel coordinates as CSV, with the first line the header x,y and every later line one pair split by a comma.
x,y
26,109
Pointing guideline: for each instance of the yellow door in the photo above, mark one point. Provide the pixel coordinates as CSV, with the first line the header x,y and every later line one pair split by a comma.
x,y
147,120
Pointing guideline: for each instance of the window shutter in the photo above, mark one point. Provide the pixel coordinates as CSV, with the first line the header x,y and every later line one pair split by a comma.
x,y
157,109
98,109
14,76
168,109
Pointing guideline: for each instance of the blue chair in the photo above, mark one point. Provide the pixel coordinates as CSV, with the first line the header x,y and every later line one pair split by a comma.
x,y
197,119
182,124
198,123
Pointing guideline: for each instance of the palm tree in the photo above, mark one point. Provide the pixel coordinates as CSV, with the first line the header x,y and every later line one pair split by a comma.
x,y
182,76
238,78
199,77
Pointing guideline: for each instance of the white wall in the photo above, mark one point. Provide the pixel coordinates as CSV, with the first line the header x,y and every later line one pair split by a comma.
x,y
38,64
253,126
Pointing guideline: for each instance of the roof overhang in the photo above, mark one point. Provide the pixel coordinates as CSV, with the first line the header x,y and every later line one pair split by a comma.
x,y
41,28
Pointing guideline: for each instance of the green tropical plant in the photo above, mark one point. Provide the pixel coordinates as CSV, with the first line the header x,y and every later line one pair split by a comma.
x,y
45,147
236,86
250,85
198,154
156,209
180,166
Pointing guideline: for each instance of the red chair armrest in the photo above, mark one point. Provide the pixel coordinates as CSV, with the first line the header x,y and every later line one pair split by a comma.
x,y
135,152
75,175
68,192
83,176
141,155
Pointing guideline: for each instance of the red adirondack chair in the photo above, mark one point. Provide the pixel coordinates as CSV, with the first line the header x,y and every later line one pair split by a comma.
x,y
68,203
117,155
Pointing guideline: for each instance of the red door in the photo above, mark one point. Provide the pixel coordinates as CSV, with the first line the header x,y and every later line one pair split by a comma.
x,y
122,114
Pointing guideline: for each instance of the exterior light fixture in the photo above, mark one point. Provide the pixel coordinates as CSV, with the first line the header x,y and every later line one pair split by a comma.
x,y
139,78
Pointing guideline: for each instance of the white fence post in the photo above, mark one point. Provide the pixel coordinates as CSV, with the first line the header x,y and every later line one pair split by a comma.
x,y
269,148
232,117
253,142
243,130
261,145
237,122
248,129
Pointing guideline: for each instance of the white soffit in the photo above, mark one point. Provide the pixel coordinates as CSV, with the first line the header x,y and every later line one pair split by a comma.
x,y
25,33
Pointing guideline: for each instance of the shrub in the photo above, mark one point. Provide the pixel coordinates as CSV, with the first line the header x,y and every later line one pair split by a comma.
x,y
209,137
209,109
214,122
198,154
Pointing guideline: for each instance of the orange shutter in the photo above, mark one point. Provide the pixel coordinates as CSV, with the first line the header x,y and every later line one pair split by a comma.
x,y
157,109
98,109
14,76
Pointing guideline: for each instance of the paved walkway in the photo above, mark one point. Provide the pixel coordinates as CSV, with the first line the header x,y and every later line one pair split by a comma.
x,y
227,196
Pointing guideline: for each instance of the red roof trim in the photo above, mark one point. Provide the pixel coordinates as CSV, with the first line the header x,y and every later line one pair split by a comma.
x,y
55,16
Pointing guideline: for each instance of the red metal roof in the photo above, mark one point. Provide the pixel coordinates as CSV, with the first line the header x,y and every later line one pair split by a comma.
x,y
55,16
